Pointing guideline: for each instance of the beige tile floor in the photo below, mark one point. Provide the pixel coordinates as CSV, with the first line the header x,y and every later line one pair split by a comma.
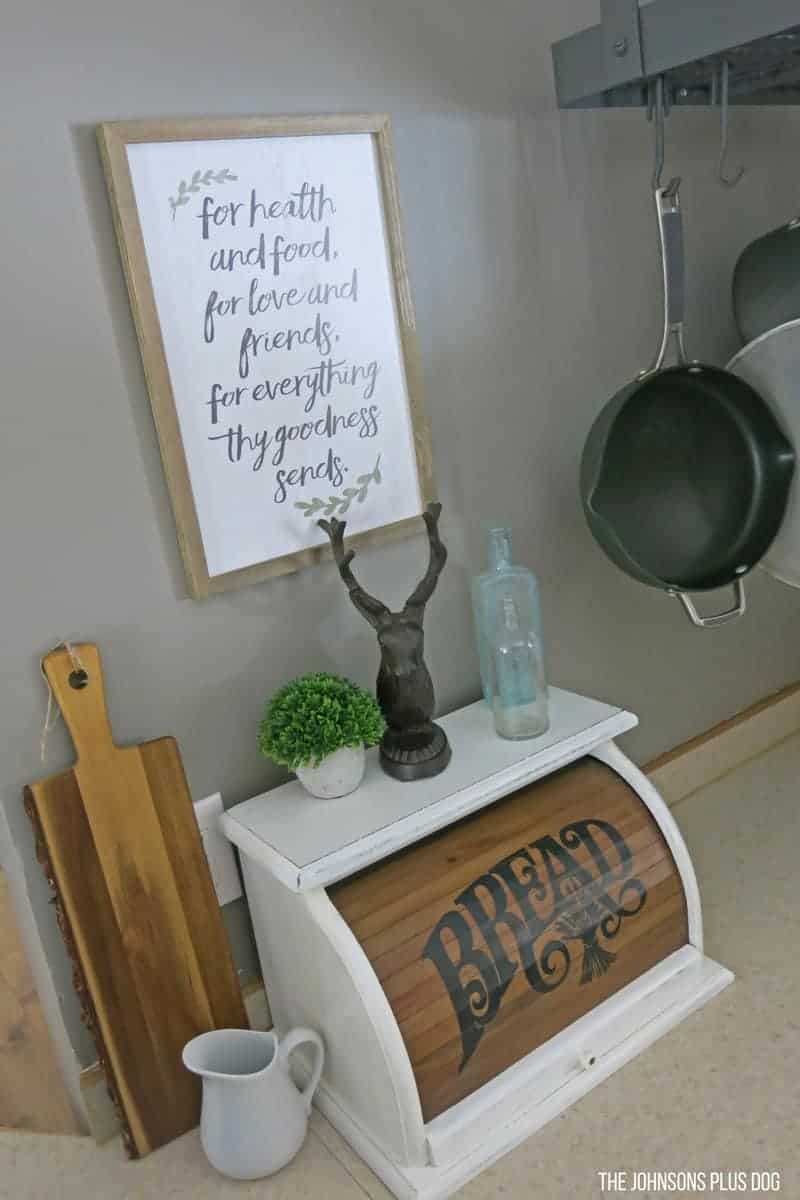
x,y
721,1092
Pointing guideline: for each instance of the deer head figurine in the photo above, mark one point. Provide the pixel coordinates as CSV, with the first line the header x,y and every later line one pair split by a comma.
x,y
413,747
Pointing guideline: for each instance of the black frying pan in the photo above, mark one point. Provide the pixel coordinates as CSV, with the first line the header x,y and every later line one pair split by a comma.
x,y
685,474
766,282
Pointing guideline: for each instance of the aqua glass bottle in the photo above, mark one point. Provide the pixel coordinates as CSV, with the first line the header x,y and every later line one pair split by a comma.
x,y
504,579
519,694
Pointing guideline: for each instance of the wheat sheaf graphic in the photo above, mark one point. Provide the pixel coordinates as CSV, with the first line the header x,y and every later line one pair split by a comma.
x,y
581,921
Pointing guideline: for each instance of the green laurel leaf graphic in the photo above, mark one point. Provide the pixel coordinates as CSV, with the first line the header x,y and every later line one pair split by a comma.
x,y
340,504
199,180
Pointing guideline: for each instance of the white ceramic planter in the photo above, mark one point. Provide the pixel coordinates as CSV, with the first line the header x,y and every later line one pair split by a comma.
x,y
338,774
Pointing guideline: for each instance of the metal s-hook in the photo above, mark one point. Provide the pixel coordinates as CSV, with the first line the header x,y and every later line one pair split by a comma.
x,y
658,107
656,111
724,72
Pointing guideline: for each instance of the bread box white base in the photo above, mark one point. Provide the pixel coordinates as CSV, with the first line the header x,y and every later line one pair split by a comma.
x,y
482,1128
317,973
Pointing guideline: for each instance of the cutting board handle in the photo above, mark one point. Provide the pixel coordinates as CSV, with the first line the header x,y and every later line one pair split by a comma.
x,y
80,695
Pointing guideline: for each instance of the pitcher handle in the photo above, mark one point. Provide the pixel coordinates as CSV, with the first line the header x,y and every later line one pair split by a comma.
x,y
295,1038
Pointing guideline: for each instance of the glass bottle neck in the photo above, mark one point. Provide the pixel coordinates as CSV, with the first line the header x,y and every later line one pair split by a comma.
x,y
499,549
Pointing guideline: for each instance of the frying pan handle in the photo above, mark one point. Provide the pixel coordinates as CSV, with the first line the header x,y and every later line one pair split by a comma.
x,y
730,614
670,238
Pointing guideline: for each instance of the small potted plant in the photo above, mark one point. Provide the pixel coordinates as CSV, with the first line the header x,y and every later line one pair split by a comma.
x,y
318,726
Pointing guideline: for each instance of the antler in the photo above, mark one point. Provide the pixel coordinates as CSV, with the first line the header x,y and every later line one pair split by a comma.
x,y
438,557
367,605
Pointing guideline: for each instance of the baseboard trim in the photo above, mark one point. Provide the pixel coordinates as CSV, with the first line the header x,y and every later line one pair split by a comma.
x,y
703,759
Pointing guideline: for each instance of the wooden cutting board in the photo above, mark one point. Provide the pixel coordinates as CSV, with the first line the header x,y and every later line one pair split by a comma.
x,y
119,841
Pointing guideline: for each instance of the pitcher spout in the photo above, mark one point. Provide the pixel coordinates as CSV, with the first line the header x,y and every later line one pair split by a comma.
x,y
233,1054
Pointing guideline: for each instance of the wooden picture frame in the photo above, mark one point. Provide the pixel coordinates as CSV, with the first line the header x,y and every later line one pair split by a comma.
x,y
114,139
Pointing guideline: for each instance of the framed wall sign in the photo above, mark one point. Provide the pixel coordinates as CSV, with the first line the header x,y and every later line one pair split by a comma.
x,y
268,283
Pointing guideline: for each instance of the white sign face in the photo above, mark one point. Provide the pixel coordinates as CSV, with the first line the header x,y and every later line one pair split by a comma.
x,y
272,280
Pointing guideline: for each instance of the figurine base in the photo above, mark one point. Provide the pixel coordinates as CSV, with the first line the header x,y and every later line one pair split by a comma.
x,y
415,753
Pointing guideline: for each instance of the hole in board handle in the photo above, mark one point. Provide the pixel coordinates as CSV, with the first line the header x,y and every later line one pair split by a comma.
x,y
78,679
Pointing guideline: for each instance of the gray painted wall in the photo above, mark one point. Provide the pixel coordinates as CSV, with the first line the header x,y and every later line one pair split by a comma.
x,y
532,257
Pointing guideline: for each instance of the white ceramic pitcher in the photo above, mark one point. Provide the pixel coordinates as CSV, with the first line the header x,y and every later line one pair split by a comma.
x,y
254,1118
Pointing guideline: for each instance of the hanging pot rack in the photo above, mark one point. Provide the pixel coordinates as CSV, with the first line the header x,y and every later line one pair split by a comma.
x,y
685,42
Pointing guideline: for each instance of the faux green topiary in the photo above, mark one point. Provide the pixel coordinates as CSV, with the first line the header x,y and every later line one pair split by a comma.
x,y
314,715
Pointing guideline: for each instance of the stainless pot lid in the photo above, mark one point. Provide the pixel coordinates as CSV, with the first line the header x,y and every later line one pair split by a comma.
x,y
771,364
